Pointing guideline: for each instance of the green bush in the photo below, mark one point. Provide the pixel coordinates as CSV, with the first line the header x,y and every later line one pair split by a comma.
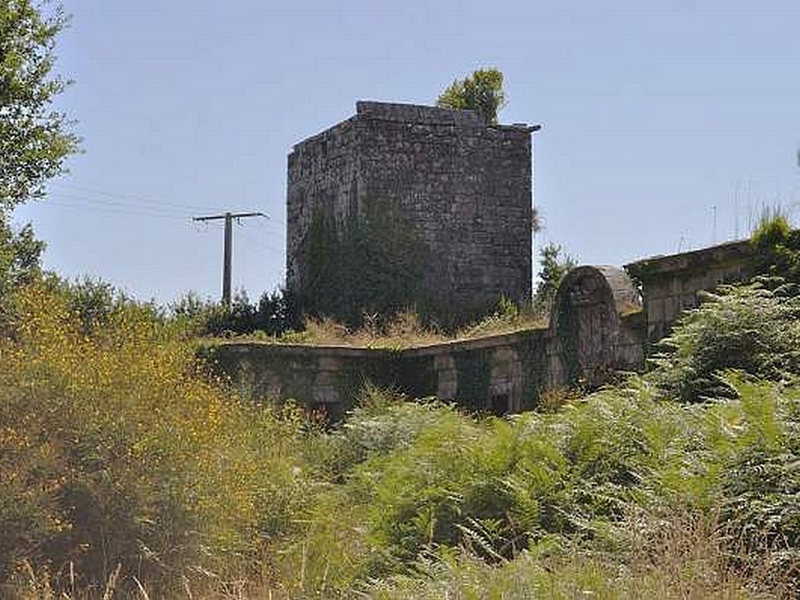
x,y
748,328
273,315
383,421
496,485
760,481
20,254
776,249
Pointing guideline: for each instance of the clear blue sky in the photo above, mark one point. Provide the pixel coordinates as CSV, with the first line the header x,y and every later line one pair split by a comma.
x,y
654,113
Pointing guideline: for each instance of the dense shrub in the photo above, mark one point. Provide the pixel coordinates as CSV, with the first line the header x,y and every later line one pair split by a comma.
x,y
776,249
116,449
274,314
748,328
426,475
20,253
418,481
760,484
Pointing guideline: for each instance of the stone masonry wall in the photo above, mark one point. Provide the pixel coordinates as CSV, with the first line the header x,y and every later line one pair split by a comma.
x,y
597,327
593,333
323,173
462,185
670,284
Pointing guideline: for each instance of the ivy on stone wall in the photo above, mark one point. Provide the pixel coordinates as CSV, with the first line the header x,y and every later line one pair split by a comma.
x,y
371,265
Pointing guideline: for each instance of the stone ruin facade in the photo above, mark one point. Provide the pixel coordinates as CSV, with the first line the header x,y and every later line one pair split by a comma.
x,y
602,322
458,189
452,188
595,331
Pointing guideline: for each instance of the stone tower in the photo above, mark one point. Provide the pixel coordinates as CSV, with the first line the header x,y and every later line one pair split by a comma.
x,y
405,205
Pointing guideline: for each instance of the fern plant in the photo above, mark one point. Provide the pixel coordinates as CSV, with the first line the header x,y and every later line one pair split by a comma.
x,y
749,328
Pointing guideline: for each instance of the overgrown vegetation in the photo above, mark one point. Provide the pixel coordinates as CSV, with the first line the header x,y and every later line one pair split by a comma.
x,y
776,251
554,264
114,447
128,469
273,315
402,330
118,449
371,266
750,328
20,253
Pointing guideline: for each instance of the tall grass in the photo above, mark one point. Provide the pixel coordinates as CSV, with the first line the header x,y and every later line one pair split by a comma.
x,y
405,329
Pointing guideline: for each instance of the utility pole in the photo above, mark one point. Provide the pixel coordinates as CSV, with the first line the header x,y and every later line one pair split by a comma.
x,y
227,255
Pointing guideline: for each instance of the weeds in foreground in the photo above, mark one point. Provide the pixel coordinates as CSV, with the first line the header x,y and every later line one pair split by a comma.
x,y
114,449
674,556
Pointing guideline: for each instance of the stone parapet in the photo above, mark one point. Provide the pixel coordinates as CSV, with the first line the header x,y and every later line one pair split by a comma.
x,y
670,284
414,113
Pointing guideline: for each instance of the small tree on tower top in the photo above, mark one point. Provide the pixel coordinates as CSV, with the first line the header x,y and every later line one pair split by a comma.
x,y
482,91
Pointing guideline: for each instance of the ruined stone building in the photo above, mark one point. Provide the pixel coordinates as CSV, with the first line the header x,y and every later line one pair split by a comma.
x,y
603,321
405,205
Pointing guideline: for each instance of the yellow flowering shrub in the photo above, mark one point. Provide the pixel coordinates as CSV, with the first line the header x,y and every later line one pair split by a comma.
x,y
117,448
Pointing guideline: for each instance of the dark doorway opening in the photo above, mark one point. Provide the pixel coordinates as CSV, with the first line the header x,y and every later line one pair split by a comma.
x,y
498,404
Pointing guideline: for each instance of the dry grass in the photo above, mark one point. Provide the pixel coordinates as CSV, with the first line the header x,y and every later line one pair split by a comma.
x,y
691,556
681,557
405,330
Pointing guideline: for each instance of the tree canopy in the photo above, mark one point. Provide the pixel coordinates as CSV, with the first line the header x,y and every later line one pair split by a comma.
x,y
482,91
34,138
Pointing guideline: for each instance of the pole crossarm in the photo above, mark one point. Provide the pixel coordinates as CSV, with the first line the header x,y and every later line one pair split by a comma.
x,y
232,216
227,254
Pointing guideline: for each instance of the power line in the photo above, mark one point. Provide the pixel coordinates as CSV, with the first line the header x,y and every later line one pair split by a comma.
x,y
113,199
113,202
119,210
132,197
227,253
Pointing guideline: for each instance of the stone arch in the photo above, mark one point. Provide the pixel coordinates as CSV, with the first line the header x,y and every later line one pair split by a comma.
x,y
586,332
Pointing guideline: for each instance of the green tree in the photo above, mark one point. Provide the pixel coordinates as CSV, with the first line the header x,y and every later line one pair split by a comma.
x,y
20,254
554,266
482,91
34,138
